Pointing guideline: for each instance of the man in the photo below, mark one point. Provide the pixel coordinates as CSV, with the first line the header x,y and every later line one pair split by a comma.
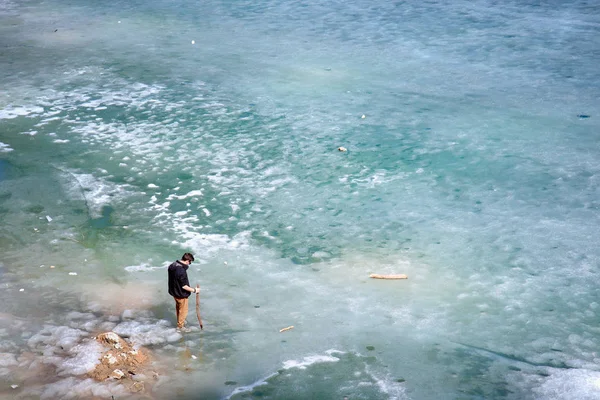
x,y
180,289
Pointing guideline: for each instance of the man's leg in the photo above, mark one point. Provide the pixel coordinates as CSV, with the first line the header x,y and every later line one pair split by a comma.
x,y
184,311
181,308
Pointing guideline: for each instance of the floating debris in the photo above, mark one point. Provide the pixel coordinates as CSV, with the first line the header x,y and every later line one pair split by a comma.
x,y
342,148
48,218
286,329
390,276
72,273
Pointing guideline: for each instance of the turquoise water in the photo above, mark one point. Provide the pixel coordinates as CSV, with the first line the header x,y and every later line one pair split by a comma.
x,y
131,132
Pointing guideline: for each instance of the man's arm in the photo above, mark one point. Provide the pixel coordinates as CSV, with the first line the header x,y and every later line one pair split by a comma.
x,y
189,289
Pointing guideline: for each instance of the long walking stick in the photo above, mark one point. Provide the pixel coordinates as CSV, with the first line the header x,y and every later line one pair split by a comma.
x,y
198,306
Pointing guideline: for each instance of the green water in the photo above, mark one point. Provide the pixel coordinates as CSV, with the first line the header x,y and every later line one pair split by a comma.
x,y
472,167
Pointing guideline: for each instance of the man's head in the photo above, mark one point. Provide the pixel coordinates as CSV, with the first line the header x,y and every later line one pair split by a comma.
x,y
187,258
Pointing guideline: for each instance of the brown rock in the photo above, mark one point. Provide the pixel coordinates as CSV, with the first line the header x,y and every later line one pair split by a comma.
x,y
117,374
120,361
109,338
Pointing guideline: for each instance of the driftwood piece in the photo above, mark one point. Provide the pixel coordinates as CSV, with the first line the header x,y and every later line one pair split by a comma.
x,y
198,306
286,329
391,276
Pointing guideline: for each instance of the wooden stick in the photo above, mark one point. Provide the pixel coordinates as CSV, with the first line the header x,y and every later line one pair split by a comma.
x,y
396,276
198,306
286,329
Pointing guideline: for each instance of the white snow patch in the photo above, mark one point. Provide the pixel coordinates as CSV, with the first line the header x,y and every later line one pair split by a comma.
x,y
145,333
4,148
310,360
193,193
14,112
580,384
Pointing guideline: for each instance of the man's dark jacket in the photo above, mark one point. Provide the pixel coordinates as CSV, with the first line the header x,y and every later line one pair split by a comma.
x,y
177,279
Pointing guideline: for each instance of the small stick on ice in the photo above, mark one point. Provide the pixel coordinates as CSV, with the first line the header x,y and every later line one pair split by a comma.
x,y
286,329
392,276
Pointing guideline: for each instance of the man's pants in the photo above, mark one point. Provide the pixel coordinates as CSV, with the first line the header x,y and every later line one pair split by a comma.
x,y
181,308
